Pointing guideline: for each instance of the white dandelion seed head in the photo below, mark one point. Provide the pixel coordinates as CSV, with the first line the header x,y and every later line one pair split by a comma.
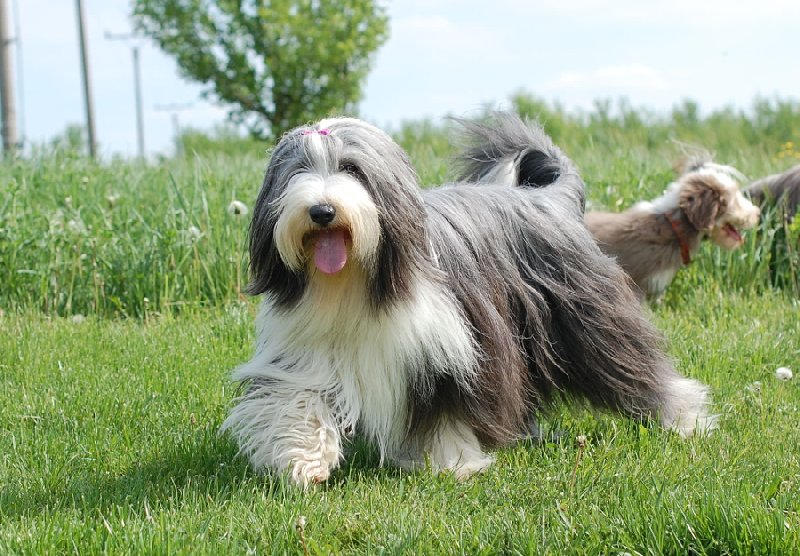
x,y
78,319
783,373
192,235
57,222
754,387
76,226
237,208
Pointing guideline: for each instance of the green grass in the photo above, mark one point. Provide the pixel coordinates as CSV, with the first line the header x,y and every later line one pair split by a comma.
x,y
109,444
121,316
125,239
122,239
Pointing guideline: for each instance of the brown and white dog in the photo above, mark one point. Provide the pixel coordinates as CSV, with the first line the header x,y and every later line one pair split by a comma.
x,y
654,239
781,190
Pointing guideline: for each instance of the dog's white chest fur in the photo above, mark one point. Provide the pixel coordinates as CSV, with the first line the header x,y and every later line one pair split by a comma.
x,y
659,281
360,361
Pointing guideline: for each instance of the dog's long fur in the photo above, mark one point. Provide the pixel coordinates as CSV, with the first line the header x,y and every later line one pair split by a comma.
x,y
460,313
781,190
653,240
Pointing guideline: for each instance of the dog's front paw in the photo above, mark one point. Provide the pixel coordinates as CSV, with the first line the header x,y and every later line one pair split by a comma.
x,y
310,472
455,449
313,461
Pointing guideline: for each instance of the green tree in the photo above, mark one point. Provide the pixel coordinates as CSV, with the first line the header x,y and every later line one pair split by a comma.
x,y
276,63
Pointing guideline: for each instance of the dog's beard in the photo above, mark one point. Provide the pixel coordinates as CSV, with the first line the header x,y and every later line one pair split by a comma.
x,y
351,238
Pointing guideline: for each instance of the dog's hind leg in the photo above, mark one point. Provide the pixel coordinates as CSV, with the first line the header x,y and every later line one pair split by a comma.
x,y
617,363
684,404
659,393
454,447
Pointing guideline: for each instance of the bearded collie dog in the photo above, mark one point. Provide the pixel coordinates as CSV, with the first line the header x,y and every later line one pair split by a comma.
x,y
653,240
780,190
436,323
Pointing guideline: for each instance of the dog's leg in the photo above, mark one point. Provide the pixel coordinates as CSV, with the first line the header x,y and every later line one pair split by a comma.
x,y
454,447
684,406
679,403
646,386
287,431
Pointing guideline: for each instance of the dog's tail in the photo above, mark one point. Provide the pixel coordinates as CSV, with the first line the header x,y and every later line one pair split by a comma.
x,y
505,150
695,158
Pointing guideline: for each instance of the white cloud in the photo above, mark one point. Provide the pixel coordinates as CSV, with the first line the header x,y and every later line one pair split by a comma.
x,y
438,37
687,12
444,56
634,76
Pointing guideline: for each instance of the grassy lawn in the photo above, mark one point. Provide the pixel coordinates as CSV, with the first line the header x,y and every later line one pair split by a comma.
x,y
121,318
109,444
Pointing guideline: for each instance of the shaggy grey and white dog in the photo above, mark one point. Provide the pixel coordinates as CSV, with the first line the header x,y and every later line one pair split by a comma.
x,y
781,190
435,323
653,239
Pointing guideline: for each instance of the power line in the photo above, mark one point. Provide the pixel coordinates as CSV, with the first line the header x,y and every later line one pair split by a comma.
x,y
173,110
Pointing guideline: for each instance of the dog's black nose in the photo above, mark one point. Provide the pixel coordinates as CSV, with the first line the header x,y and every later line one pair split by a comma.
x,y
322,214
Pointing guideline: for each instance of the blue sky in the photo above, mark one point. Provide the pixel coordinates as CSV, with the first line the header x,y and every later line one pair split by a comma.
x,y
443,57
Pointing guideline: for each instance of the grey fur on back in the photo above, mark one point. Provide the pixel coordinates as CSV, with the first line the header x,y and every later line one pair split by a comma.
x,y
781,189
552,314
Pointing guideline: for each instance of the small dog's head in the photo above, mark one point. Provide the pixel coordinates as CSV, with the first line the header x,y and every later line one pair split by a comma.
x,y
338,197
709,196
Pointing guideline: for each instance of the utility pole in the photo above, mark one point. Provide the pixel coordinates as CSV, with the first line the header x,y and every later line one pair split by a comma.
x,y
8,111
137,86
87,88
137,81
174,109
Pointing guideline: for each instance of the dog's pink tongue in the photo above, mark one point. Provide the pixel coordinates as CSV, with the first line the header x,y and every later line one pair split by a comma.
x,y
733,232
330,252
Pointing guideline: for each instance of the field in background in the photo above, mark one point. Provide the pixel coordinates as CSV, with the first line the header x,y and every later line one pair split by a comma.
x,y
125,239
121,316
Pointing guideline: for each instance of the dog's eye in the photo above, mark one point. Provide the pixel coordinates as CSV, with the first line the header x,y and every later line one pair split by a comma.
x,y
353,170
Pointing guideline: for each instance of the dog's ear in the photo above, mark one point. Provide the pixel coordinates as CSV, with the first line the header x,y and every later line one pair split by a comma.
x,y
268,273
403,246
702,202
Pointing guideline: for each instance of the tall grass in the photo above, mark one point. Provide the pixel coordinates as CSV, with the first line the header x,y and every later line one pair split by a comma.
x,y
123,238
127,238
